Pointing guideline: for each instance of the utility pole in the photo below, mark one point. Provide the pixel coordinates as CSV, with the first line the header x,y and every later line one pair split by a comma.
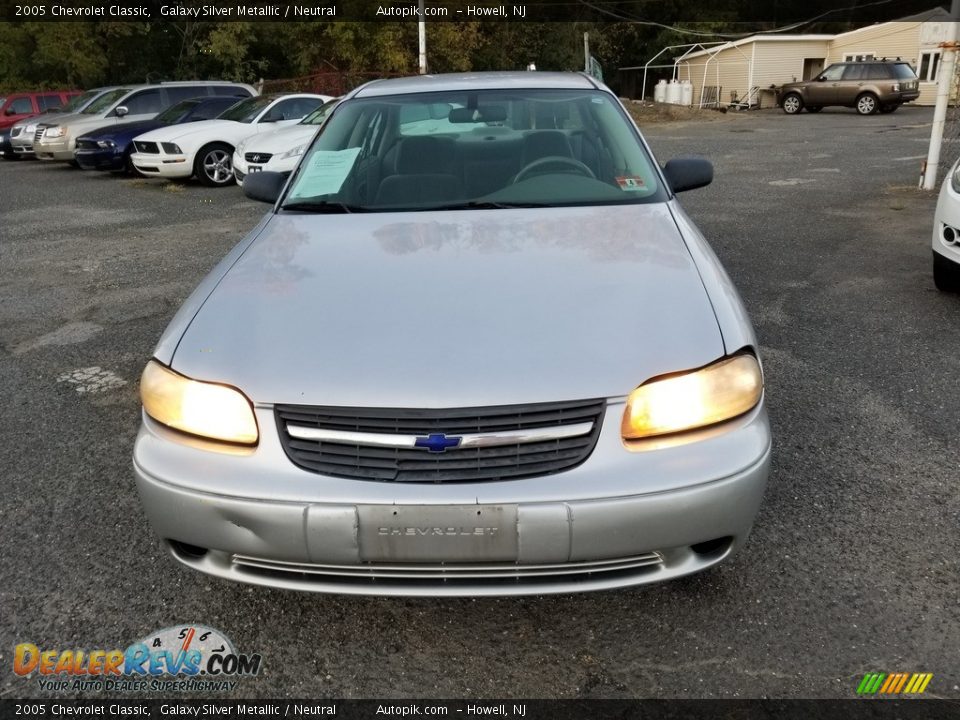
x,y
422,39
948,61
586,51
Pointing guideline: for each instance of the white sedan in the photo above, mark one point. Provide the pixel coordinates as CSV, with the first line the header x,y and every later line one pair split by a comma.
x,y
205,148
280,150
946,234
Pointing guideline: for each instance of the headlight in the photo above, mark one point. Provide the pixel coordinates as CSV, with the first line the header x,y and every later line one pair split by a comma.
x,y
171,148
105,144
955,178
54,132
896,87
295,152
689,400
199,408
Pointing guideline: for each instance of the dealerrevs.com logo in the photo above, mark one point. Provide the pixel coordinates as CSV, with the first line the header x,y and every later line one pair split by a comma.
x,y
186,658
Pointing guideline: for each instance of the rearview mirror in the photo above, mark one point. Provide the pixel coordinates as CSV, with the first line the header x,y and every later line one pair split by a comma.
x,y
121,111
688,173
488,113
264,186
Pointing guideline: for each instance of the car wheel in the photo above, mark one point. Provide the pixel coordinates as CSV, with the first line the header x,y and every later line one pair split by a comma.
x,y
867,104
814,108
214,166
946,274
892,107
792,104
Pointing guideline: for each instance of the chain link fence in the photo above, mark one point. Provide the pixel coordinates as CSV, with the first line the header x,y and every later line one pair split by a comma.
x,y
950,150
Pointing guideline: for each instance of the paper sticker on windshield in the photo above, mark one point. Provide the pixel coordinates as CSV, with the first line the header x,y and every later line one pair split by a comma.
x,y
631,182
325,172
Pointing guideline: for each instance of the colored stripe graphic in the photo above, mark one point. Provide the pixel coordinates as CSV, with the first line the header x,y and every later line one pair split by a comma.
x,y
894,683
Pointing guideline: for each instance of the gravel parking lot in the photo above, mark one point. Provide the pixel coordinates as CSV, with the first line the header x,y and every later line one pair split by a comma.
x,y
853,563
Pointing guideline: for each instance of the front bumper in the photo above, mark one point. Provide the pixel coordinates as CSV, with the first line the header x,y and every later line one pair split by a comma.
x,y
947,215
61,149
620,519
162,165
100,158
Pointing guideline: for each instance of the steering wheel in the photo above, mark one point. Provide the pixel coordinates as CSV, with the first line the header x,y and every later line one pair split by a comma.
x,y
554,163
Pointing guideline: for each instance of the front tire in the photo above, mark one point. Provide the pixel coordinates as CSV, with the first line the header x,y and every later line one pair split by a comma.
x,y
867,104
792,104
214,165
946,274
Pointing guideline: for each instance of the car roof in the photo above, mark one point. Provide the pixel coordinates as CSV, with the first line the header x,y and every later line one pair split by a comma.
x,y
475,81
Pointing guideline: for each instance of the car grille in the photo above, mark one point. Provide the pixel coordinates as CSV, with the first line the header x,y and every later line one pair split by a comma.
x,y
257,157
84,144
449,573
147,147
574,425
39,133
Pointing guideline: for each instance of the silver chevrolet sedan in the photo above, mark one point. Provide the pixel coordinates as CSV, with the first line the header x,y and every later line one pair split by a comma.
x,y
475,348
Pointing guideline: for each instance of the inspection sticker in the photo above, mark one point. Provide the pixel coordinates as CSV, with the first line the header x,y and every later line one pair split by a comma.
x,y
631,182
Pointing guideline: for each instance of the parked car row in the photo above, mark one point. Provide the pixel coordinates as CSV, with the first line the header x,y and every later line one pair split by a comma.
x,y
141,128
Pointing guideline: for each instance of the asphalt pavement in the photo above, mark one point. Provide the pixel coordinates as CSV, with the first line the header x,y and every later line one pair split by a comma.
x,y
853,565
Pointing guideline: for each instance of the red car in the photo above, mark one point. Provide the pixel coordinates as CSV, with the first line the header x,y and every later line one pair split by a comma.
x,y
17,106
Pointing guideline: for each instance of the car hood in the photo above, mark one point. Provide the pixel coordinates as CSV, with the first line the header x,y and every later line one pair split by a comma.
x,y
201,131
125,129
280,140
455,308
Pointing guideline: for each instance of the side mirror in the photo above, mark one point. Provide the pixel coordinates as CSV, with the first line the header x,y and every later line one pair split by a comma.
x,y
688,173
121,111
10,111
264,186
820,78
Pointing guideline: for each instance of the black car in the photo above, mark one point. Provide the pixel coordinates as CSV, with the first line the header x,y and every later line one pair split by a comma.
x,y
109,148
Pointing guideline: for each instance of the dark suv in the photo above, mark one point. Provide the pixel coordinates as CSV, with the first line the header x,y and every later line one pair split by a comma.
x,y
882,85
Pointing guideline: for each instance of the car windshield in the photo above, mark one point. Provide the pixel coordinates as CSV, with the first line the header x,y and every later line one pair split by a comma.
x,y
77,102
173,113
320,114
902,71
105,101
246,111
475,150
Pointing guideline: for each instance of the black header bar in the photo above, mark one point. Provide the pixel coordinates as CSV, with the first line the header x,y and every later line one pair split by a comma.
x,y
753,12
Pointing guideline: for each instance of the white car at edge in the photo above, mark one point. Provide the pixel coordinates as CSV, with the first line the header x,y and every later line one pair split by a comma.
x,y
946,234
205,148
279,150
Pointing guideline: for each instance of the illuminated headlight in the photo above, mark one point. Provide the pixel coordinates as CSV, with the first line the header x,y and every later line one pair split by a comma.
x,y
689,400
105,144
54,132
171,148
955,178
207,409
294,152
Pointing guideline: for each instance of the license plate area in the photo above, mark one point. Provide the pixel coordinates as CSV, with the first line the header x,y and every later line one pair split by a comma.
x,y
437,533
254,168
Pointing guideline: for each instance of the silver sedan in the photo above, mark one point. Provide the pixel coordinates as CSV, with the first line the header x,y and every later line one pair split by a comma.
x,y
476,347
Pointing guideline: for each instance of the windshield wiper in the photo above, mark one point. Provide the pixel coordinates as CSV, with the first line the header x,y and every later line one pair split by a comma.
x,y
323,206
487,205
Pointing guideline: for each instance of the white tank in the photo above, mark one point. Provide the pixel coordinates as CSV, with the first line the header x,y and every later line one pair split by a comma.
x,y
673,92
660,92
686,93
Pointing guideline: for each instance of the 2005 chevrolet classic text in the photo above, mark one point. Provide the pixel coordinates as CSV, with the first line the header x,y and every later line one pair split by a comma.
x,y
475,348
